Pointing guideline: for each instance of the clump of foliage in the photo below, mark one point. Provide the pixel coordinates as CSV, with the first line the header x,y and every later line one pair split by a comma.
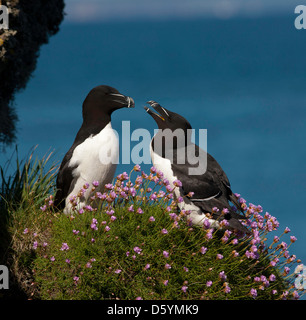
x,y
132,242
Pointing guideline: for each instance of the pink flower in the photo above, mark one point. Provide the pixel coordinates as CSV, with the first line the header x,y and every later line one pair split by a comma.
x,y
165,282
203,250
137,250
43,208
164,231
184,288
151,219
153,170
35,244
139,210
167,266
107,228
131,208
166,254
64,247
137,167
177,183
147,266
118,271
95,183
52,259
253,293
169,188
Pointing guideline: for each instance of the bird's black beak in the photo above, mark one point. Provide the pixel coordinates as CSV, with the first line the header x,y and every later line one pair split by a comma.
x,y
162,114
126,101
130,102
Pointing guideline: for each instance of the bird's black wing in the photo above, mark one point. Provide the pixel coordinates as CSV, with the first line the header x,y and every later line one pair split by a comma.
x,y
211,189
64,181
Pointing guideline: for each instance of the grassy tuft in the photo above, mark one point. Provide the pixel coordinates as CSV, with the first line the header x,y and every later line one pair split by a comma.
x,y
131,242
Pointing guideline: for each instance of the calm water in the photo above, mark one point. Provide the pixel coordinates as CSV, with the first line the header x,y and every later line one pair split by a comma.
x,y
243,80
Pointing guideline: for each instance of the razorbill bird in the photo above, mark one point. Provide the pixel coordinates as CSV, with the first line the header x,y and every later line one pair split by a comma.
x,y
175,155
94,153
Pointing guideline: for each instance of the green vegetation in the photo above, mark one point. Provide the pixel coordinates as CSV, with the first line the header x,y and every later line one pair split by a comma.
x,y
134,245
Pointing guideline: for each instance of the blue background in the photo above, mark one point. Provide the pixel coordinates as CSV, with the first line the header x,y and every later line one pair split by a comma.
x,y
242,78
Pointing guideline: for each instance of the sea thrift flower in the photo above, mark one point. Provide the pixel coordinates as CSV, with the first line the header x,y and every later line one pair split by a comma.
x,y
117,271
165,282
95,183
177,183
209,283
137,167
206,224
272,278
64,247
132,192
169,188
138,298
203,250
209,234
186,269
295,295
52,259
184,288
25,231
137,250
107,228
147,266
131,208
293,239
167,266
222,275
43,208
151,219
153,170
164,231
94,223
139,211
35,245
88,207
253,293
166,254
219,256
227,289
180,199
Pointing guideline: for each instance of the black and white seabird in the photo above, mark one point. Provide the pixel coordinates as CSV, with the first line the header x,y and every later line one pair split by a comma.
x,y
211,187
93,155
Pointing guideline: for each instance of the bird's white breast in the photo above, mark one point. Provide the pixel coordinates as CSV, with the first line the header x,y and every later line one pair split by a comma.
x,y
95,159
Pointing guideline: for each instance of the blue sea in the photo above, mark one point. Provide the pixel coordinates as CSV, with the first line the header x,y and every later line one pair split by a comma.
x,y
242,79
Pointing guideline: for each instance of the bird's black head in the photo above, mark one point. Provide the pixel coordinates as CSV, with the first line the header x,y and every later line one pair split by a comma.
x,y
166,119
101,101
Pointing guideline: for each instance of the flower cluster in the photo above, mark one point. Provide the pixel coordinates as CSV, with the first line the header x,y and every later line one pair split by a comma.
x,y
140,231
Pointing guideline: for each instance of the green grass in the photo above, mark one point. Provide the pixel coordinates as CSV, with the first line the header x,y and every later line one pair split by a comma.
x,y
125,254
